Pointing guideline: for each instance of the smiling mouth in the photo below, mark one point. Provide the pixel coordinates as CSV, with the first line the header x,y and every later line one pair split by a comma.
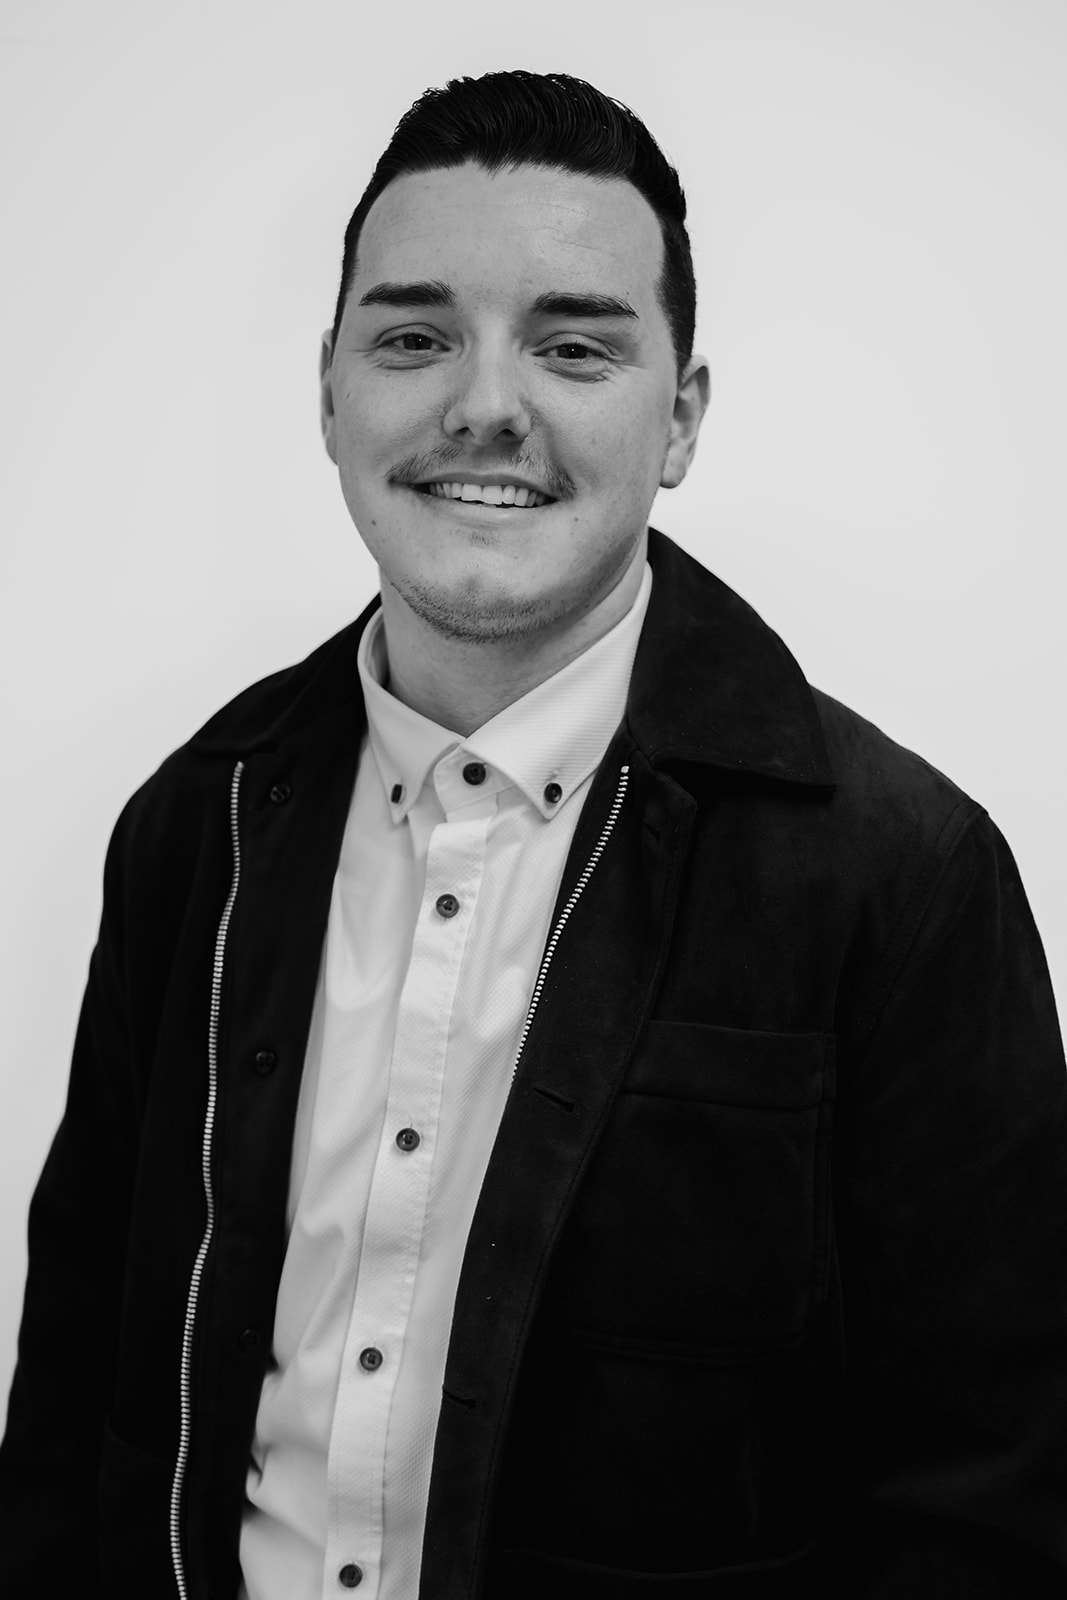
x,y
486,494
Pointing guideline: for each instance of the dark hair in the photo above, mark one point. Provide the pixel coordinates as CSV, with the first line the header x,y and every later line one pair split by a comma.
x,y
549,120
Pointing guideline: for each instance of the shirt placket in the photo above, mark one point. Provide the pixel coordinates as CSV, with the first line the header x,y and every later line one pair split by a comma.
x,y
398,1204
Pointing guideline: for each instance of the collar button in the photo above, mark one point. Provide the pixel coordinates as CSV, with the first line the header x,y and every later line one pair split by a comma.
x,y
553,794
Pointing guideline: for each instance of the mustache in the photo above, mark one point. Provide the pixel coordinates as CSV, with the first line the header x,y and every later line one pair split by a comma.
x,y
434,463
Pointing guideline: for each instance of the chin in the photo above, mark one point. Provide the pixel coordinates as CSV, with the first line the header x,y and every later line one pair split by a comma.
x,y
475,614
517,601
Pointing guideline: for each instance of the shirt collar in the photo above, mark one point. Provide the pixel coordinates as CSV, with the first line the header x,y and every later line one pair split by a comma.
x,y
545,744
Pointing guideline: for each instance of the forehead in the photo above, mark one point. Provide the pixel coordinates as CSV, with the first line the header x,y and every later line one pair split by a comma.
x,y
513,232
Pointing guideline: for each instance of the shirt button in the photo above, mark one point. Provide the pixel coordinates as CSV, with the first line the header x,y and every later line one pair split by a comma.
x,y
474,772
266,1061
407,1139
447,905
280,793
370,1359
553,793
351,1575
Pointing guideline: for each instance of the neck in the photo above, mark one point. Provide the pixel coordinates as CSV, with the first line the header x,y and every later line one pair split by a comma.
x,y
461,684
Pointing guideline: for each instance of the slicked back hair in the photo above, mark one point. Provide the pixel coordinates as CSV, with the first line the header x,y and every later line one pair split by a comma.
x,y
507,119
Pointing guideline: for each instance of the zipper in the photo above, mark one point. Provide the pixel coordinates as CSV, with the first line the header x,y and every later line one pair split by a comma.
x,y
185,1382
572,901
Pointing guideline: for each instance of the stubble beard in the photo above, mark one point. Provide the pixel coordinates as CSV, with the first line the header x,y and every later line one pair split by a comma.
x,y
475,614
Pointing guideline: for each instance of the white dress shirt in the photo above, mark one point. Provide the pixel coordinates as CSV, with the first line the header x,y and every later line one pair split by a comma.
x,y
449,869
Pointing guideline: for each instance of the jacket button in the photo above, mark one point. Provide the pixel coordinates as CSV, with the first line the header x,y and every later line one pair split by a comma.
x,y
280,793
407,1139
351,1575
447,905
553,794
474,772
370,1359
266,1061
249,1339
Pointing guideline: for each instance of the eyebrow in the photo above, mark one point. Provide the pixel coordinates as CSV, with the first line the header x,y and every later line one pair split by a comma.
x,y
429,292
432,292
582,305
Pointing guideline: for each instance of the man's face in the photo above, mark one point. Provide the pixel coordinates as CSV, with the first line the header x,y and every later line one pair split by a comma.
x,y
503,400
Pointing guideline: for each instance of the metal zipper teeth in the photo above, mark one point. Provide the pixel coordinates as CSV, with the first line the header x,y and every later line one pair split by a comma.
x,y
561,922
209,1197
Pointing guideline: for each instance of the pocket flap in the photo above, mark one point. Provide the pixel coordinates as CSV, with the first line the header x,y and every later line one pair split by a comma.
x,y
733,1066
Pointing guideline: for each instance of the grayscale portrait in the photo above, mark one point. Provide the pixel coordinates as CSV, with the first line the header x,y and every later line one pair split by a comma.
x,y
535,667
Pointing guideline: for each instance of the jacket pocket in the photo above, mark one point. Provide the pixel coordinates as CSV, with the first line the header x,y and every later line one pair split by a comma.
x,y
700,1228
133,1495
525,1574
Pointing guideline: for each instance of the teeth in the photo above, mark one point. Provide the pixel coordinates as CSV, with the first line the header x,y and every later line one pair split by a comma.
x,y
488,494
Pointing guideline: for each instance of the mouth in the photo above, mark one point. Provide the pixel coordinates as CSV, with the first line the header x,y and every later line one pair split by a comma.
x,y
521,495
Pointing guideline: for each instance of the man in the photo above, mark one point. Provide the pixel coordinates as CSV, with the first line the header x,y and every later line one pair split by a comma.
x,y
560,1105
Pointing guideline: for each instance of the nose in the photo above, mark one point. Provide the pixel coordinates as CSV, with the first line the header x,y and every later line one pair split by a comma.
x,y
488,402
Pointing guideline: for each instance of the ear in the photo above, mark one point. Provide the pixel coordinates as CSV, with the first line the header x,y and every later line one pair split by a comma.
x,y
326,411
690,404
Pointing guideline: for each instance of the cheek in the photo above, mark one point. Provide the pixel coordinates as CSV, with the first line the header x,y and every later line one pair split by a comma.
x,y
364,429
627,448
375,423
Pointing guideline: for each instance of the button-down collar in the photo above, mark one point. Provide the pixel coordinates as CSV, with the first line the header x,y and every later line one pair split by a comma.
x,y
545,744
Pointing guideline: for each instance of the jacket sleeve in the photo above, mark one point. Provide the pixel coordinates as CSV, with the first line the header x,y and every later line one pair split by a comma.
x,y
952,1205
50,1454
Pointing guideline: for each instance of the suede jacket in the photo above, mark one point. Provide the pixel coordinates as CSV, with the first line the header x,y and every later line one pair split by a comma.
x,y
767,1282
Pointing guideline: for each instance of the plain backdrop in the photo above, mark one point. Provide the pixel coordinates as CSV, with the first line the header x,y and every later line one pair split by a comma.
x,y
877,202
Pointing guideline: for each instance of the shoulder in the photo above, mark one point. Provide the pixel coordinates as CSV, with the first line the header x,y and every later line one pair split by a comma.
x,y
896,824
886,786
170,811
928,880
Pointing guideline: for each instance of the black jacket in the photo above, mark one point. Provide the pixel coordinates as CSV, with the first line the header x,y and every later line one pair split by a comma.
x,y
767,1282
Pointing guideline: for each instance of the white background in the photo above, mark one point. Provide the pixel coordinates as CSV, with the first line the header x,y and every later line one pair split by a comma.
x,y
877,203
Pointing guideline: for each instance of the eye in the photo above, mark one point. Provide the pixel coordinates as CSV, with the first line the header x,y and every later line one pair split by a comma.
x,y
409,347
411,343
576,358
574,350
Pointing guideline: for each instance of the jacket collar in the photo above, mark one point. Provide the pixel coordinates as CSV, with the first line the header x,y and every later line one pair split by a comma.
x,y
711,684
